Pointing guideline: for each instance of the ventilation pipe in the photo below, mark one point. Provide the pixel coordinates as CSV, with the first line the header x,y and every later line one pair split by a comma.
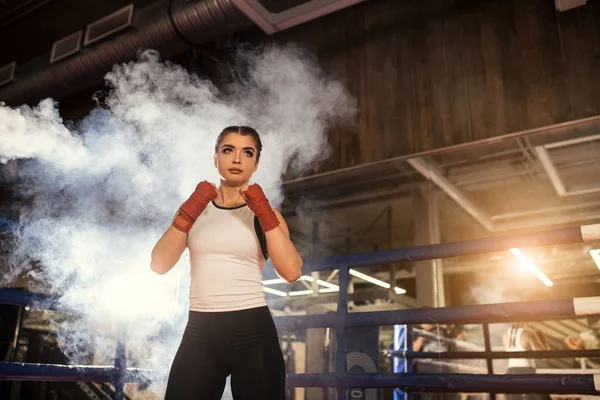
x,y
171,27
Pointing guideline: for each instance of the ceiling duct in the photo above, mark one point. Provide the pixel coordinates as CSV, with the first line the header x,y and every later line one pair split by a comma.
x,y
169,27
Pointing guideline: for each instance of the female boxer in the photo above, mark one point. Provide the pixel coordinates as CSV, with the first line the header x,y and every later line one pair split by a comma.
x,y
230,231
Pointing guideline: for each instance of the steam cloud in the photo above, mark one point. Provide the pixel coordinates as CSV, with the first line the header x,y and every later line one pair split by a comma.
x,y
103,191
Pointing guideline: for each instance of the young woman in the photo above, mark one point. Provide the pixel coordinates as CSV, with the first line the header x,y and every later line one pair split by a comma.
x,y
230,231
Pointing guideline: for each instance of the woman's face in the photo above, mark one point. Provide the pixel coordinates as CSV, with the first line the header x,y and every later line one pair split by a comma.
x,y
236,158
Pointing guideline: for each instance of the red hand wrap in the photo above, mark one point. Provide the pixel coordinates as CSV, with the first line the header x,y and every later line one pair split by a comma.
x,y
193,207
258,203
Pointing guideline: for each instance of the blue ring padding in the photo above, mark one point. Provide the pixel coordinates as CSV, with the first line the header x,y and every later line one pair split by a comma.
x,y
526,383
504,312
445,250
22,298
66,373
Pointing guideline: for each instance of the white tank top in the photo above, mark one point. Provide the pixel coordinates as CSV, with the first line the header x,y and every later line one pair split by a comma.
x,y
514,344
226,260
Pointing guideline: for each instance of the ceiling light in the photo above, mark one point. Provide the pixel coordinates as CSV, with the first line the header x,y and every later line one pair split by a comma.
x,y
273,281
273,291
370,279
531,266
399,290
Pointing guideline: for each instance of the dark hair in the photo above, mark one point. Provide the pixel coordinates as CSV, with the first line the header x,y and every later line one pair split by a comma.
x,y
244,131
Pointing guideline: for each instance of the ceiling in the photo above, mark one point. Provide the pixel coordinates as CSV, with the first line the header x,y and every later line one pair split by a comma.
x,y
509,182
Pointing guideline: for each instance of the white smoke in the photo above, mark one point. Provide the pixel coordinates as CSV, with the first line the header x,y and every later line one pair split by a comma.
x,y
103,192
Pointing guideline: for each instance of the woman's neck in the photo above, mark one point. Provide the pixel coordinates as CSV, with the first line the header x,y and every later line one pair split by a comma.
x,y
229,196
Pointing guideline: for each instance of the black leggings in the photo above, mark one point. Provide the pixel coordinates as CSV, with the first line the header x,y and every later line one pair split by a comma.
x,y
243,344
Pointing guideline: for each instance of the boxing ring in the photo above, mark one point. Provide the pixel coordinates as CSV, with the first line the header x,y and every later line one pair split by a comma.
x,y
581,384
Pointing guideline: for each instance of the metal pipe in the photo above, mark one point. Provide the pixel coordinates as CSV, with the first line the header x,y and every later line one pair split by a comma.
x,y
546,210
554,177
340,325
13,345
456,383
551,171
488,348
173,29
120,364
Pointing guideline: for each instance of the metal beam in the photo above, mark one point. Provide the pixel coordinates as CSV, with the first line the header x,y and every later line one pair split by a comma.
x,y
434,175
271,23
552,172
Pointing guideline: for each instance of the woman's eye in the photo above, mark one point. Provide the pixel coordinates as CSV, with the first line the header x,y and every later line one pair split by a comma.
x,y
249,154
227,150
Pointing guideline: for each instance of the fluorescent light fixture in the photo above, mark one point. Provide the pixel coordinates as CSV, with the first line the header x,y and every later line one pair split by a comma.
x,y
300,292
399,290
531,266
376,281
370,279
273,291
307,292
328,285
595,253
273,281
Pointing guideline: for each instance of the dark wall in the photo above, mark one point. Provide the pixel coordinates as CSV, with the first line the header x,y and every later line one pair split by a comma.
x,y
34,33
433,73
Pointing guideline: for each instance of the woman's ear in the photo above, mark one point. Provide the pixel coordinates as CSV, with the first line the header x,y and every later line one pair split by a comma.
x,y
215,159
255,167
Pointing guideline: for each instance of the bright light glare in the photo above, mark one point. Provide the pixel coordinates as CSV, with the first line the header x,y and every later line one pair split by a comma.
x,y
531,266
399,290
370,279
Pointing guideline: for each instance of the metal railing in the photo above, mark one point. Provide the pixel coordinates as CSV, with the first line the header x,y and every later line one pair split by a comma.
x,y
342,380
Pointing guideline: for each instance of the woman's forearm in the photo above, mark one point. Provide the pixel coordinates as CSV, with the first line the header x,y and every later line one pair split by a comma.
x,y
168,250
283,254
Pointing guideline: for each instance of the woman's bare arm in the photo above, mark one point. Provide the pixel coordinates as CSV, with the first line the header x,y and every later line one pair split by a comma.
x,y
284,256
168,250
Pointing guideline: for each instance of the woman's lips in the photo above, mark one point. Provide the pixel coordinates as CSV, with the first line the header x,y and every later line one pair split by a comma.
x,y
235,171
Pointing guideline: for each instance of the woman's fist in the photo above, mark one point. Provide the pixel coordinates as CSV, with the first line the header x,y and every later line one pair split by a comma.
x,y
194,206
258,203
